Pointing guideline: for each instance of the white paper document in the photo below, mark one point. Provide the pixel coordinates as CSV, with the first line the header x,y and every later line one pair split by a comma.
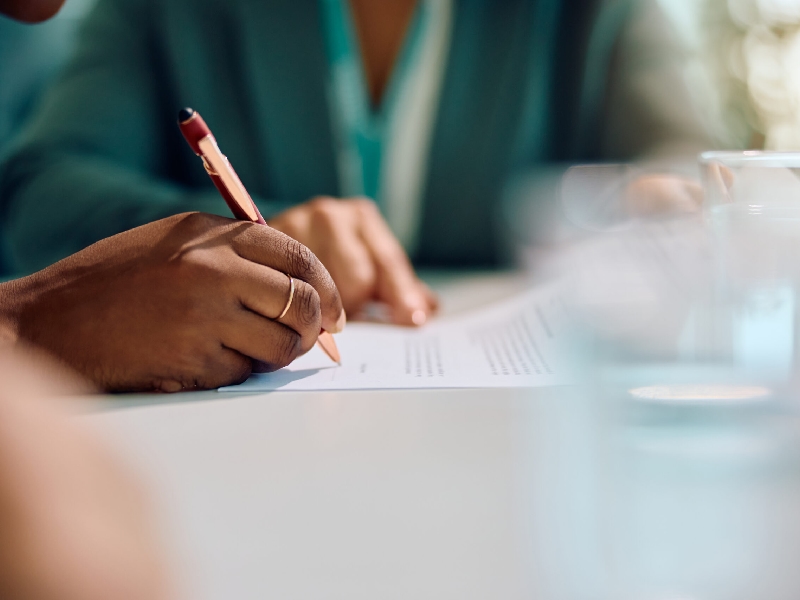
x,y
516,343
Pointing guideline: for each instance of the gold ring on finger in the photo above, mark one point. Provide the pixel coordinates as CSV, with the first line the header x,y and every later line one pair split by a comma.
x,y
289,301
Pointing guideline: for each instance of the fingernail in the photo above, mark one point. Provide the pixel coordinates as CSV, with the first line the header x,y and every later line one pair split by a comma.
x,y
419,317
340,323
171,387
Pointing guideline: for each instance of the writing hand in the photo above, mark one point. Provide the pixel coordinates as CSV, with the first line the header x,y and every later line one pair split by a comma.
x,y
362,255
188,302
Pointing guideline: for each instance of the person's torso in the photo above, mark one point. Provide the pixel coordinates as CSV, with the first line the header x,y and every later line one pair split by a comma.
x,y
512,93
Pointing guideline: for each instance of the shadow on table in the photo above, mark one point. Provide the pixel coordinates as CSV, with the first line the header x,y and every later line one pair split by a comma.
x,y
273,382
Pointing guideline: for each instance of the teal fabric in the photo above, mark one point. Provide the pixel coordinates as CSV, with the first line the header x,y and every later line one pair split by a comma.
x,y
360,129
104,154
30,56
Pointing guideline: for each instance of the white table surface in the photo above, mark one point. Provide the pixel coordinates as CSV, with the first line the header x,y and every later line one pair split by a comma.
x,y
462,494
392,494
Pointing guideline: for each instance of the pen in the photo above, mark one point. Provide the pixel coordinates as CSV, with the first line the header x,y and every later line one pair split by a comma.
x,y
219,168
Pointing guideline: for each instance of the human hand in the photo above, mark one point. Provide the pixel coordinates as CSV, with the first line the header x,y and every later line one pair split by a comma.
x,y
362,255
188,302
662,194
74,524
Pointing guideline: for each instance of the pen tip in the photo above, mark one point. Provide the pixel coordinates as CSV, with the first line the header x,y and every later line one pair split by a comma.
x,y
328,346
185,114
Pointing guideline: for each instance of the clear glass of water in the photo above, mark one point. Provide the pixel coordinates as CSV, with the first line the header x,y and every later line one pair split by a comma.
x,y
690,425
752,202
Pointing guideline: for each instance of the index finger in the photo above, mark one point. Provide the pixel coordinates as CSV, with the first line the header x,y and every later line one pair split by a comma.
x,y
269,247
410,301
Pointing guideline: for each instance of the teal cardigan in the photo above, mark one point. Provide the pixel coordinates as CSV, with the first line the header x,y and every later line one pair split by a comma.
x,y
525,85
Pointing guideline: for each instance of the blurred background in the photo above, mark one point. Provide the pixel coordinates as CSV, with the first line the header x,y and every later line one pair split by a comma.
x,y
741,64
742,61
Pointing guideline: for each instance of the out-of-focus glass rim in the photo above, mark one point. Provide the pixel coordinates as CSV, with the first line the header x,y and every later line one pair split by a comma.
x,y
761,158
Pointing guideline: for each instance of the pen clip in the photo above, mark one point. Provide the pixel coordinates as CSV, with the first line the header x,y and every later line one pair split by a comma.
x,y
218,165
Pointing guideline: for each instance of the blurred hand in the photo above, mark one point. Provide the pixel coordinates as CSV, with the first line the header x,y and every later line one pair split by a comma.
x,y
188,302
721,180
660,194
73,524
362,255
